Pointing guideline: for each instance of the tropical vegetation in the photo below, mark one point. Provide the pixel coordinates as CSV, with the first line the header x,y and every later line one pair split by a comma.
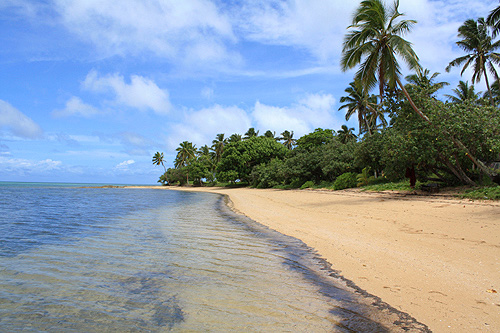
x,y
403,129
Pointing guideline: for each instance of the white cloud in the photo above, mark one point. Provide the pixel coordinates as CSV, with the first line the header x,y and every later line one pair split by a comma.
x,y
200,127
76,107
313,111
18,123
22,166
181,30
315,25
124,165
141,93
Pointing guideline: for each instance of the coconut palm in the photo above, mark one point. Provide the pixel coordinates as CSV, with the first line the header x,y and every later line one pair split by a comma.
x,y
288,140
235,138
478,43
218,146
464,94
362,103
270,134
494,20
250,133
185,152
158,159
346,134
375,38
425,82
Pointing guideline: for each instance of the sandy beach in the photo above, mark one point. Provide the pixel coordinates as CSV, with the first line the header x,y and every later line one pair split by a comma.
x,y
436,258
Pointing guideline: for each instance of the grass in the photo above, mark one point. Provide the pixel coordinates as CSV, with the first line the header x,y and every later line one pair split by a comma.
x,y
482,193
403,185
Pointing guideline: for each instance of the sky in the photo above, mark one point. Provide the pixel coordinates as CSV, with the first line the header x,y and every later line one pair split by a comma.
x,y
91,89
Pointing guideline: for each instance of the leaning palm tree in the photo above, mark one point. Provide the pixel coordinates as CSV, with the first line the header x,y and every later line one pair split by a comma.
x,y
345,134
464,94
478,43
288,140
376,36
422,80
359,101
375,39
158,159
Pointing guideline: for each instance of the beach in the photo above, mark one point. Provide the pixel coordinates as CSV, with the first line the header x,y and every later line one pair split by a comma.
x,y
436,258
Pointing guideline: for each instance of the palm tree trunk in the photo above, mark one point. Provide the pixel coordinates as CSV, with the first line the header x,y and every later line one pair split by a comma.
x,y
455,141
488,87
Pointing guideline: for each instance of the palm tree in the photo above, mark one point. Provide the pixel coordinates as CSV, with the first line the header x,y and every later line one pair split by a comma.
x,y
218,146
288,140
463,94
345,134
494,21
376,38
359,101
477,42
235,138
495,90
250,133
422,80
270,134
185,152
158,159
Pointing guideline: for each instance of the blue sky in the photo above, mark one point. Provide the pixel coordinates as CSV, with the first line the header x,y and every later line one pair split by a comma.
x,y
90,90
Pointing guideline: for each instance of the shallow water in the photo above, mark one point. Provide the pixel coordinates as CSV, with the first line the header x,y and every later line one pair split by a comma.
x,y
74,259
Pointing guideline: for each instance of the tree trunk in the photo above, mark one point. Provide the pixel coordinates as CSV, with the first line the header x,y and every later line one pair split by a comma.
x,y
488,87
455,141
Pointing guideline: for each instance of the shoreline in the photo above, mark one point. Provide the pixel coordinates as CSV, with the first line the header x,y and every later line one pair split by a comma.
x,y
434,257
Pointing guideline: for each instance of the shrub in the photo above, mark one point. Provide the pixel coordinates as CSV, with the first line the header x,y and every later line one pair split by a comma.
x,y
345,180
307,184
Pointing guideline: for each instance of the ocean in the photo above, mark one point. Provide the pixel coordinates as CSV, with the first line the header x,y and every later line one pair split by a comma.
x,y
75,259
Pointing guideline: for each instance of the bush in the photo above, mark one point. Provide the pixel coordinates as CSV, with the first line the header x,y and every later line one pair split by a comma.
x,y
345,180
308,184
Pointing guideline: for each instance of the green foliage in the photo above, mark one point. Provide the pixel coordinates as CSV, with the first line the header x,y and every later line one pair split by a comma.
x,y
345,180
239,158
364,178
317,138
308,184
483,193
176,176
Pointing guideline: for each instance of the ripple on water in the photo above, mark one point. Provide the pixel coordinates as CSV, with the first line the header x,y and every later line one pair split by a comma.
x,y
165,260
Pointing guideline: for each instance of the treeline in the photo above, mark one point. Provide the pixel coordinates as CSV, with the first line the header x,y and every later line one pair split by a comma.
x,y
405,130
325,155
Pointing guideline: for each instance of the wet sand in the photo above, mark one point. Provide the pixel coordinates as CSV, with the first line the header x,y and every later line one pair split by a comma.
x,y
436,258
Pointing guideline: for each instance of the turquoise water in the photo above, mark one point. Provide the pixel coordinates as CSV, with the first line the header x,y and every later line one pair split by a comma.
x,y
120,260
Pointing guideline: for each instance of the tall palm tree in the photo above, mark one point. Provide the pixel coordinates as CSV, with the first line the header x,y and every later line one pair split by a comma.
x,y
375,36
185,152
478,43
362,103
218,146
346,134
425,82
463,94
288,140
159,159
250,133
